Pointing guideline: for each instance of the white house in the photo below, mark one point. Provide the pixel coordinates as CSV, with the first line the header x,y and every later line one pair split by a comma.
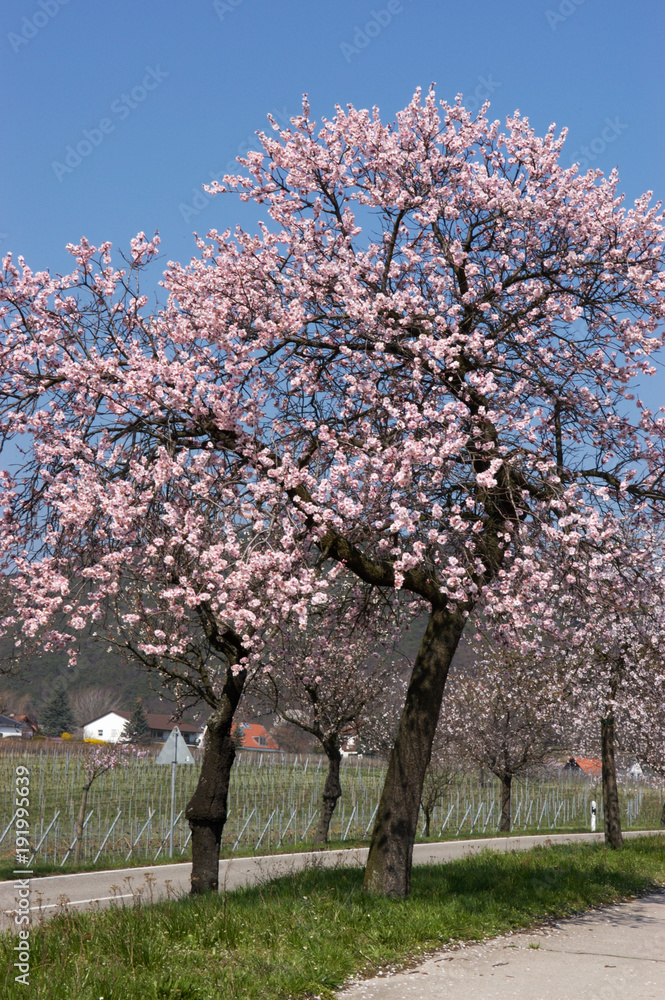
x,y
110,728
10,727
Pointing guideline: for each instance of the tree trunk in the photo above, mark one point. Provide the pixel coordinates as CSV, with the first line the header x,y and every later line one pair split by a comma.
x,y
388,870
332,791
207,808
79,824
662,816
506,788
428,817
613,835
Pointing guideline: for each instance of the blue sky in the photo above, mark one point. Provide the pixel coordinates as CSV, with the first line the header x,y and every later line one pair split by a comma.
x,y
159,96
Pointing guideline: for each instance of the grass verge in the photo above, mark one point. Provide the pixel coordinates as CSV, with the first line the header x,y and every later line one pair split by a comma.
x,y
302,936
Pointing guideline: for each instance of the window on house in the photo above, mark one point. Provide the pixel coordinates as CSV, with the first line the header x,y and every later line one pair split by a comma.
x,y
100,732
261,741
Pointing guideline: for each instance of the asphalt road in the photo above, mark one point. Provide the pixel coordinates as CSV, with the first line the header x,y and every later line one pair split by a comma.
x,y
615,953
89,890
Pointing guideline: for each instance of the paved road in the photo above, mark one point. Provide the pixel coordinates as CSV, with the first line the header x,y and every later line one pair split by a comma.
x,y
89,890
617,953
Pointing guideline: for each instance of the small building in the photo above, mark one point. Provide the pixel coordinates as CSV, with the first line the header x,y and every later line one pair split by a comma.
x,y
110,727
28,723
12,727
350,740
592,767
255,737
349,745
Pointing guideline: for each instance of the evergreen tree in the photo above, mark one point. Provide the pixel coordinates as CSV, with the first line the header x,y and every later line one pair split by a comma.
x,y
57,716
138,729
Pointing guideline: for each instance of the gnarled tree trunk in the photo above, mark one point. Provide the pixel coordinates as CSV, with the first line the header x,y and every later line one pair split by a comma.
x,y
613,835
506,788
388,869
332,791
207,808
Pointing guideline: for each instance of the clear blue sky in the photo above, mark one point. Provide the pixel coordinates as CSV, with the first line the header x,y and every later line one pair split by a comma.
x,y
182,86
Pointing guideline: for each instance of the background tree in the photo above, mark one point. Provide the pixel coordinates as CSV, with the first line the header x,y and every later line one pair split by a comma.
x,y
441,771
138,730
330,679
611,671
98,762
647,744
57,716
605,624
428,346
92,702
507,715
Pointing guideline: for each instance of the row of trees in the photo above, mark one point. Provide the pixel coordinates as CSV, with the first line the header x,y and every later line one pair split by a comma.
x,y
408,393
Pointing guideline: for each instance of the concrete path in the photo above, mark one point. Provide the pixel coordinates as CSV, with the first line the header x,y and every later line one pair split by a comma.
x,y
90,890
617,953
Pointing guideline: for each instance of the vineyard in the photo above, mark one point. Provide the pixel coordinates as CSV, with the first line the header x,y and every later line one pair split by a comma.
x,y
273,804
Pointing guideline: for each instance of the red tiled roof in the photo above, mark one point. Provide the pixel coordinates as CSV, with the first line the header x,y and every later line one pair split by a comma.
x,y
590,765
251,733
26,721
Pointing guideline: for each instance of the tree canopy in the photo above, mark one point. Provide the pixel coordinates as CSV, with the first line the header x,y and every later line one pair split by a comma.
x,y
427,347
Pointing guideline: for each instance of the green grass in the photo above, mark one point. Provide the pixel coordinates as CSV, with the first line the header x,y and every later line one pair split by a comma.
x,y
305,935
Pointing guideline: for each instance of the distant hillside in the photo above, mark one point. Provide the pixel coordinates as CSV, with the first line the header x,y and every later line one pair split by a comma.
x,y
27,688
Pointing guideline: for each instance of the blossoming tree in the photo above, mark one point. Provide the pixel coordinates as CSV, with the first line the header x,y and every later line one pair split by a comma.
x,y
97,762
614,619
508,715
598,639
426,345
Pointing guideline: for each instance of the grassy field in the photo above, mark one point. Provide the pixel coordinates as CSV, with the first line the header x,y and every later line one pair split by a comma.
x,y
303,936
273,804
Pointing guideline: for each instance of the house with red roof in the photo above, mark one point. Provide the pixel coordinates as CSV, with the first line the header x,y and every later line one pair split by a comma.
x,y
255,737
28,723
592,767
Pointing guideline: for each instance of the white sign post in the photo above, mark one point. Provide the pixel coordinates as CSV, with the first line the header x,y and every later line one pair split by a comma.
x,y
175,751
